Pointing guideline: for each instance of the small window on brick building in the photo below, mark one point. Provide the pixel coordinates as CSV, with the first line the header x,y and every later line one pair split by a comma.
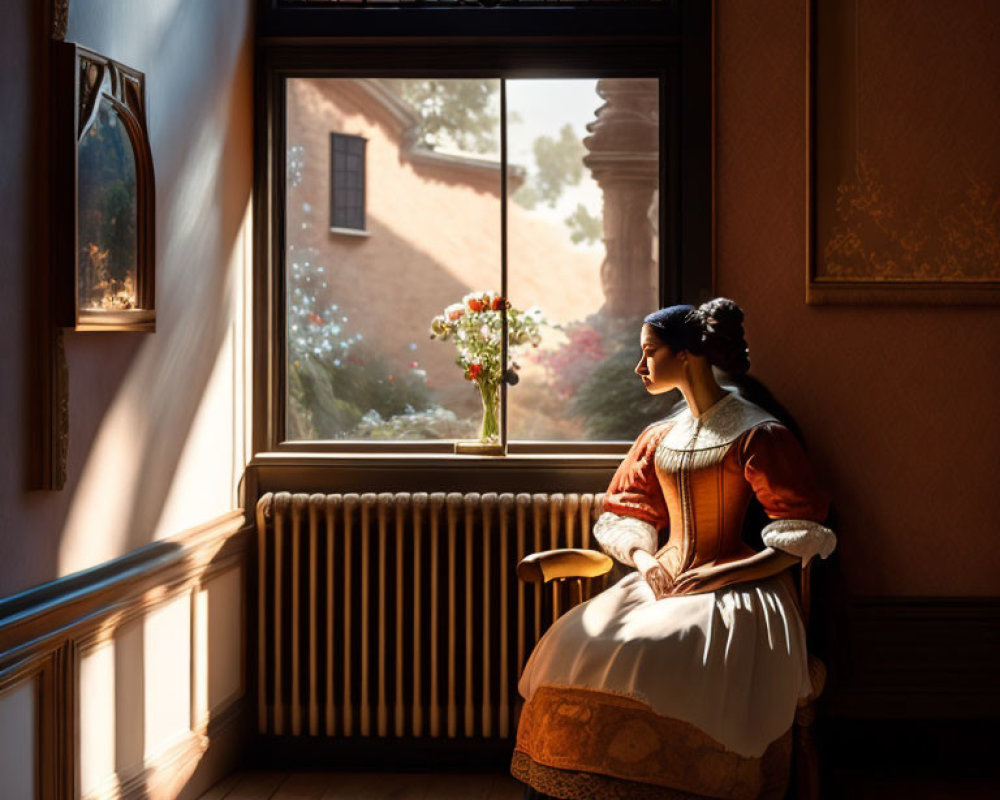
x,y
347,182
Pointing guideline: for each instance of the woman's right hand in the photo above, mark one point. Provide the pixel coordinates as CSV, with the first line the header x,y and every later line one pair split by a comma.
x,y
653,572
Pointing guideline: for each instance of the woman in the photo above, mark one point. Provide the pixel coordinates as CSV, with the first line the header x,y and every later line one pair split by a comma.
x,y
684,676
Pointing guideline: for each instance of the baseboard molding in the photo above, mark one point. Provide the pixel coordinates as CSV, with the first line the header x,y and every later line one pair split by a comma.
x,y
917,658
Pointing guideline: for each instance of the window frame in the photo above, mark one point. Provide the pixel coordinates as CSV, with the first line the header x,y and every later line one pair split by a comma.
x,y
671,42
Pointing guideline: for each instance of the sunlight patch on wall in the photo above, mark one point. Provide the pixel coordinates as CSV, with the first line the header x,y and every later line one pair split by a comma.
x,y
96,527
97,717
164,457
200,480
17,741
218,642
167,655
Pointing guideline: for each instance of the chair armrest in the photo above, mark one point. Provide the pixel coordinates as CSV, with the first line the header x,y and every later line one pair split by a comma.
x,y
565,563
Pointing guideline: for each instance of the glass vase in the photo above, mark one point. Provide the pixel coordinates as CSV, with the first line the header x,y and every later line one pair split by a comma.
x,y
490,432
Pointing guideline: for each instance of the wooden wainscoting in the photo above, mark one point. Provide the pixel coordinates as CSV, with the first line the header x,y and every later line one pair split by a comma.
x,y
917,658
86,645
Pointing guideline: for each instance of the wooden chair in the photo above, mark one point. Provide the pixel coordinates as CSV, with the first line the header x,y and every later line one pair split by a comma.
x,y
574,569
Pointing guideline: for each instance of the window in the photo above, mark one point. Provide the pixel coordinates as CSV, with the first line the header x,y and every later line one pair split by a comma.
x,y
347,182
522,197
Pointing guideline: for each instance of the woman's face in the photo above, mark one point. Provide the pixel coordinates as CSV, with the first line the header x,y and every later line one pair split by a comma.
x,y
659,367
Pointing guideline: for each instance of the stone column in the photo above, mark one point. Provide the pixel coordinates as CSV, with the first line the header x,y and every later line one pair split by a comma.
x,y
623,156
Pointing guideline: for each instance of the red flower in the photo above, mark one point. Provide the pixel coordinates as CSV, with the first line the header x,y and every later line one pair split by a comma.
x,y
498,303
315,319
475,304
473,371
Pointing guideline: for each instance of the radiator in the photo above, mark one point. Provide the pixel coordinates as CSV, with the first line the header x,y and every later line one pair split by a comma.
x,y
399,615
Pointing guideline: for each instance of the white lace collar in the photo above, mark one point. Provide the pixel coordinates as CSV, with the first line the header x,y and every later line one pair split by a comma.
x,y
722,424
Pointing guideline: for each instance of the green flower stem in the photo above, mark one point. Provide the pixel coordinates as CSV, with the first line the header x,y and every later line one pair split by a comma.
x,y
490,393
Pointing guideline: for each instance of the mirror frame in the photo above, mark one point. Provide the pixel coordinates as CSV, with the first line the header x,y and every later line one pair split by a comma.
x,y
73,104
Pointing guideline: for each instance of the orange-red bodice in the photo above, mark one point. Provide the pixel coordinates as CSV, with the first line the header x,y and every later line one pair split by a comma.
x,y
694,480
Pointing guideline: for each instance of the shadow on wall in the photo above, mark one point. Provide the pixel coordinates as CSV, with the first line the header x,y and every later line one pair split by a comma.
x,y
135,400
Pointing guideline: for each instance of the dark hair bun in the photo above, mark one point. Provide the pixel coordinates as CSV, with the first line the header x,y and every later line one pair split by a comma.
x,y
722,335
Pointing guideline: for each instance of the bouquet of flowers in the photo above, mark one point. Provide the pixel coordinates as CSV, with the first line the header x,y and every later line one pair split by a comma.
x,y
475,325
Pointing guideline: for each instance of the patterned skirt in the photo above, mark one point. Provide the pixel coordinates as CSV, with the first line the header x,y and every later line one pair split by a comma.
x,y
691,696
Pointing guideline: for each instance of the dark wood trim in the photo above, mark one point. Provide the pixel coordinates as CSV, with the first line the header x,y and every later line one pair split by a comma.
x,y
465,22
46,377
917,658
694,271
44,631
455,473
40,619
677,51
713,277
810,127
42,671
262,289
433,449
487,58
62,171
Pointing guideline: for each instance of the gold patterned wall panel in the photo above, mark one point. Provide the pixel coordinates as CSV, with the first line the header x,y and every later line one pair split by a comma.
x,y
905,101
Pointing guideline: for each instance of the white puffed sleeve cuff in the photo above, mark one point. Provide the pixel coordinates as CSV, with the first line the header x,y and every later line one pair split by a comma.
x,y
619,536
800,537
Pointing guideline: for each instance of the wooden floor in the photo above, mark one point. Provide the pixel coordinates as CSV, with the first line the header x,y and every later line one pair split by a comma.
x,y
490,786
365,786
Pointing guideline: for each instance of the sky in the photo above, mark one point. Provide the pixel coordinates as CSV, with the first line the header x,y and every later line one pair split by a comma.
x,y
542,107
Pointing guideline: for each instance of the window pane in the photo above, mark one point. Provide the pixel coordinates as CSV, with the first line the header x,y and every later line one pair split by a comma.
x,y
582,247
421,186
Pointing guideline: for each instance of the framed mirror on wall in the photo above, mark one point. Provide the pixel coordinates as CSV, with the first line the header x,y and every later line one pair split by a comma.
x,y
95,221
102,195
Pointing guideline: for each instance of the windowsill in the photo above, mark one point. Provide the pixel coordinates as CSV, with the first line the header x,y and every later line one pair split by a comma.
x,y
351,232
440,460
398,471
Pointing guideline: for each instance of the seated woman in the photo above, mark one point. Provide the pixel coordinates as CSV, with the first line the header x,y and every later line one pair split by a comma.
x,y
683,678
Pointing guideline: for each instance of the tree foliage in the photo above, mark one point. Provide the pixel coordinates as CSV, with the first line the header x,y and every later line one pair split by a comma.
x,y
584,227
612,402
456,113
463,114
560,163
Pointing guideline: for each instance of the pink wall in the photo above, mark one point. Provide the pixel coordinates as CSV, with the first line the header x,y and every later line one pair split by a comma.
x,y
899,404
156,441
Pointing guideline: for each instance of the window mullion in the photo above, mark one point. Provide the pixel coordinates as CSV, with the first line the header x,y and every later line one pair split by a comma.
x,y
503,263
